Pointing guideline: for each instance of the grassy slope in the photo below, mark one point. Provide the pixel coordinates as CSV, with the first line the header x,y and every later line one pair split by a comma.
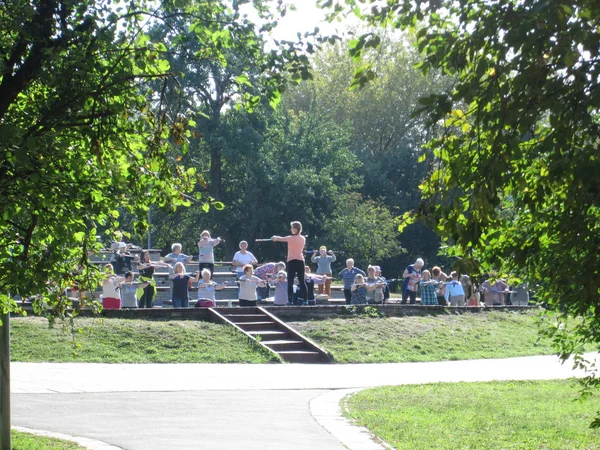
x,y
508,415
428,338
131,341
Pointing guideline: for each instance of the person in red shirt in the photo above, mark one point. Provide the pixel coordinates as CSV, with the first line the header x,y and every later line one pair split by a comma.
x,y
295,260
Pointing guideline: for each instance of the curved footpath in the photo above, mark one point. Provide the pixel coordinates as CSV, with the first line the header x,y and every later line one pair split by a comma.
x,y
224,406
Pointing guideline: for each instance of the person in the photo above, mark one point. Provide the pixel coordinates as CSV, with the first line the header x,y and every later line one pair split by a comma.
x,y
128,290
374,286
386,287
240,259
267,272
111,299
121,260
441,278
324,259
248,283
520,296
147,293
428,289
454,291
176,256
358,291
494,290
281,296
207,289
470,291
295,259
410,283
206,254
348,275
181,282
311,279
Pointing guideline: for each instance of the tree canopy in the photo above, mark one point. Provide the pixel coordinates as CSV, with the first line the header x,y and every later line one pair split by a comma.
x,y
514,184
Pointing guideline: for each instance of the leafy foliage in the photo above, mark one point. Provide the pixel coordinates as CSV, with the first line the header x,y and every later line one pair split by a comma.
x,y
515,179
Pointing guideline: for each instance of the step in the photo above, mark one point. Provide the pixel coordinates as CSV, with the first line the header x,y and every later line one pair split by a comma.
x,y
285,345
300,356
243,317
268,335
256,326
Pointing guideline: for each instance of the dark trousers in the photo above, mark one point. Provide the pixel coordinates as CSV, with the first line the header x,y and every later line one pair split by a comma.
x,y
209,266
146,299
296,268
442,300
243,302
406,294
348,296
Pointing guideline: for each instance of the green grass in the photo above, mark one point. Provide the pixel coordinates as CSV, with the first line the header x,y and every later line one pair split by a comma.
x,y
26,441
498,334
520,415
131,341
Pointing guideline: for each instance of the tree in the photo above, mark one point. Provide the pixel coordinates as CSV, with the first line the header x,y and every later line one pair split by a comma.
x,y
515,184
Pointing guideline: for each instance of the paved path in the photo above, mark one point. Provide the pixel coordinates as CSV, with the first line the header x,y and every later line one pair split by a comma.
x,y
218,406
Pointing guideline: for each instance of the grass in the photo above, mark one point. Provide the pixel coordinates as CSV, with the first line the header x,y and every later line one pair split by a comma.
x,y
131,341
26,441
495,334
520,415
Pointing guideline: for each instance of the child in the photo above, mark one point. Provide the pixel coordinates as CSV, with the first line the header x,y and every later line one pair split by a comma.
x,y
128,290
295,258
454,291
348,275
359,291
206,290
248,283
181,282
428,288
281,298
206,254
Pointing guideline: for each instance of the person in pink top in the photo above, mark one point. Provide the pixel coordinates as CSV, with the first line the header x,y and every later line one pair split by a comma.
x,y
295,260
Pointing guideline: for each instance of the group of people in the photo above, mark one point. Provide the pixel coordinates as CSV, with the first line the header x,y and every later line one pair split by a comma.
x,y
438,288
292,280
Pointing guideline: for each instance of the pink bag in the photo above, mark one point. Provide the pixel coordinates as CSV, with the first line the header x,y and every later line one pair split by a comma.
x,y
205,304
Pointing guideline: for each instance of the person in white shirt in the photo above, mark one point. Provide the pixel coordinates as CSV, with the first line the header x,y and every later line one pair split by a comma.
x,y
248,284
242,258
454,291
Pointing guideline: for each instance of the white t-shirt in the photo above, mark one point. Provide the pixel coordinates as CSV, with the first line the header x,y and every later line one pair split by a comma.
x,y
244,259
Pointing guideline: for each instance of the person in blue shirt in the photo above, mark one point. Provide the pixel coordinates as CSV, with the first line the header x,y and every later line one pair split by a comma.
x,y
347,275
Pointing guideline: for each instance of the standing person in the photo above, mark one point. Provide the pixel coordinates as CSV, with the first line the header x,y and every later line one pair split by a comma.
x,y
281,296
176,256
207,290
494,290
441,278
324,260
454,291
348,275
128,290
295,259
374,286
181,282
242,258
147,293
111,299
359,291
206,254
428,289
386,287
248,284
410,284
121,259
312,279
267,272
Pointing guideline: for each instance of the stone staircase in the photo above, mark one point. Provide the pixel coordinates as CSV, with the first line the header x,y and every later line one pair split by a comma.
x,y
272,334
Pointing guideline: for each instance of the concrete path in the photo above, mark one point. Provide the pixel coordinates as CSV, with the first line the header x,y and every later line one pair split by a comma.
x,y
218,406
